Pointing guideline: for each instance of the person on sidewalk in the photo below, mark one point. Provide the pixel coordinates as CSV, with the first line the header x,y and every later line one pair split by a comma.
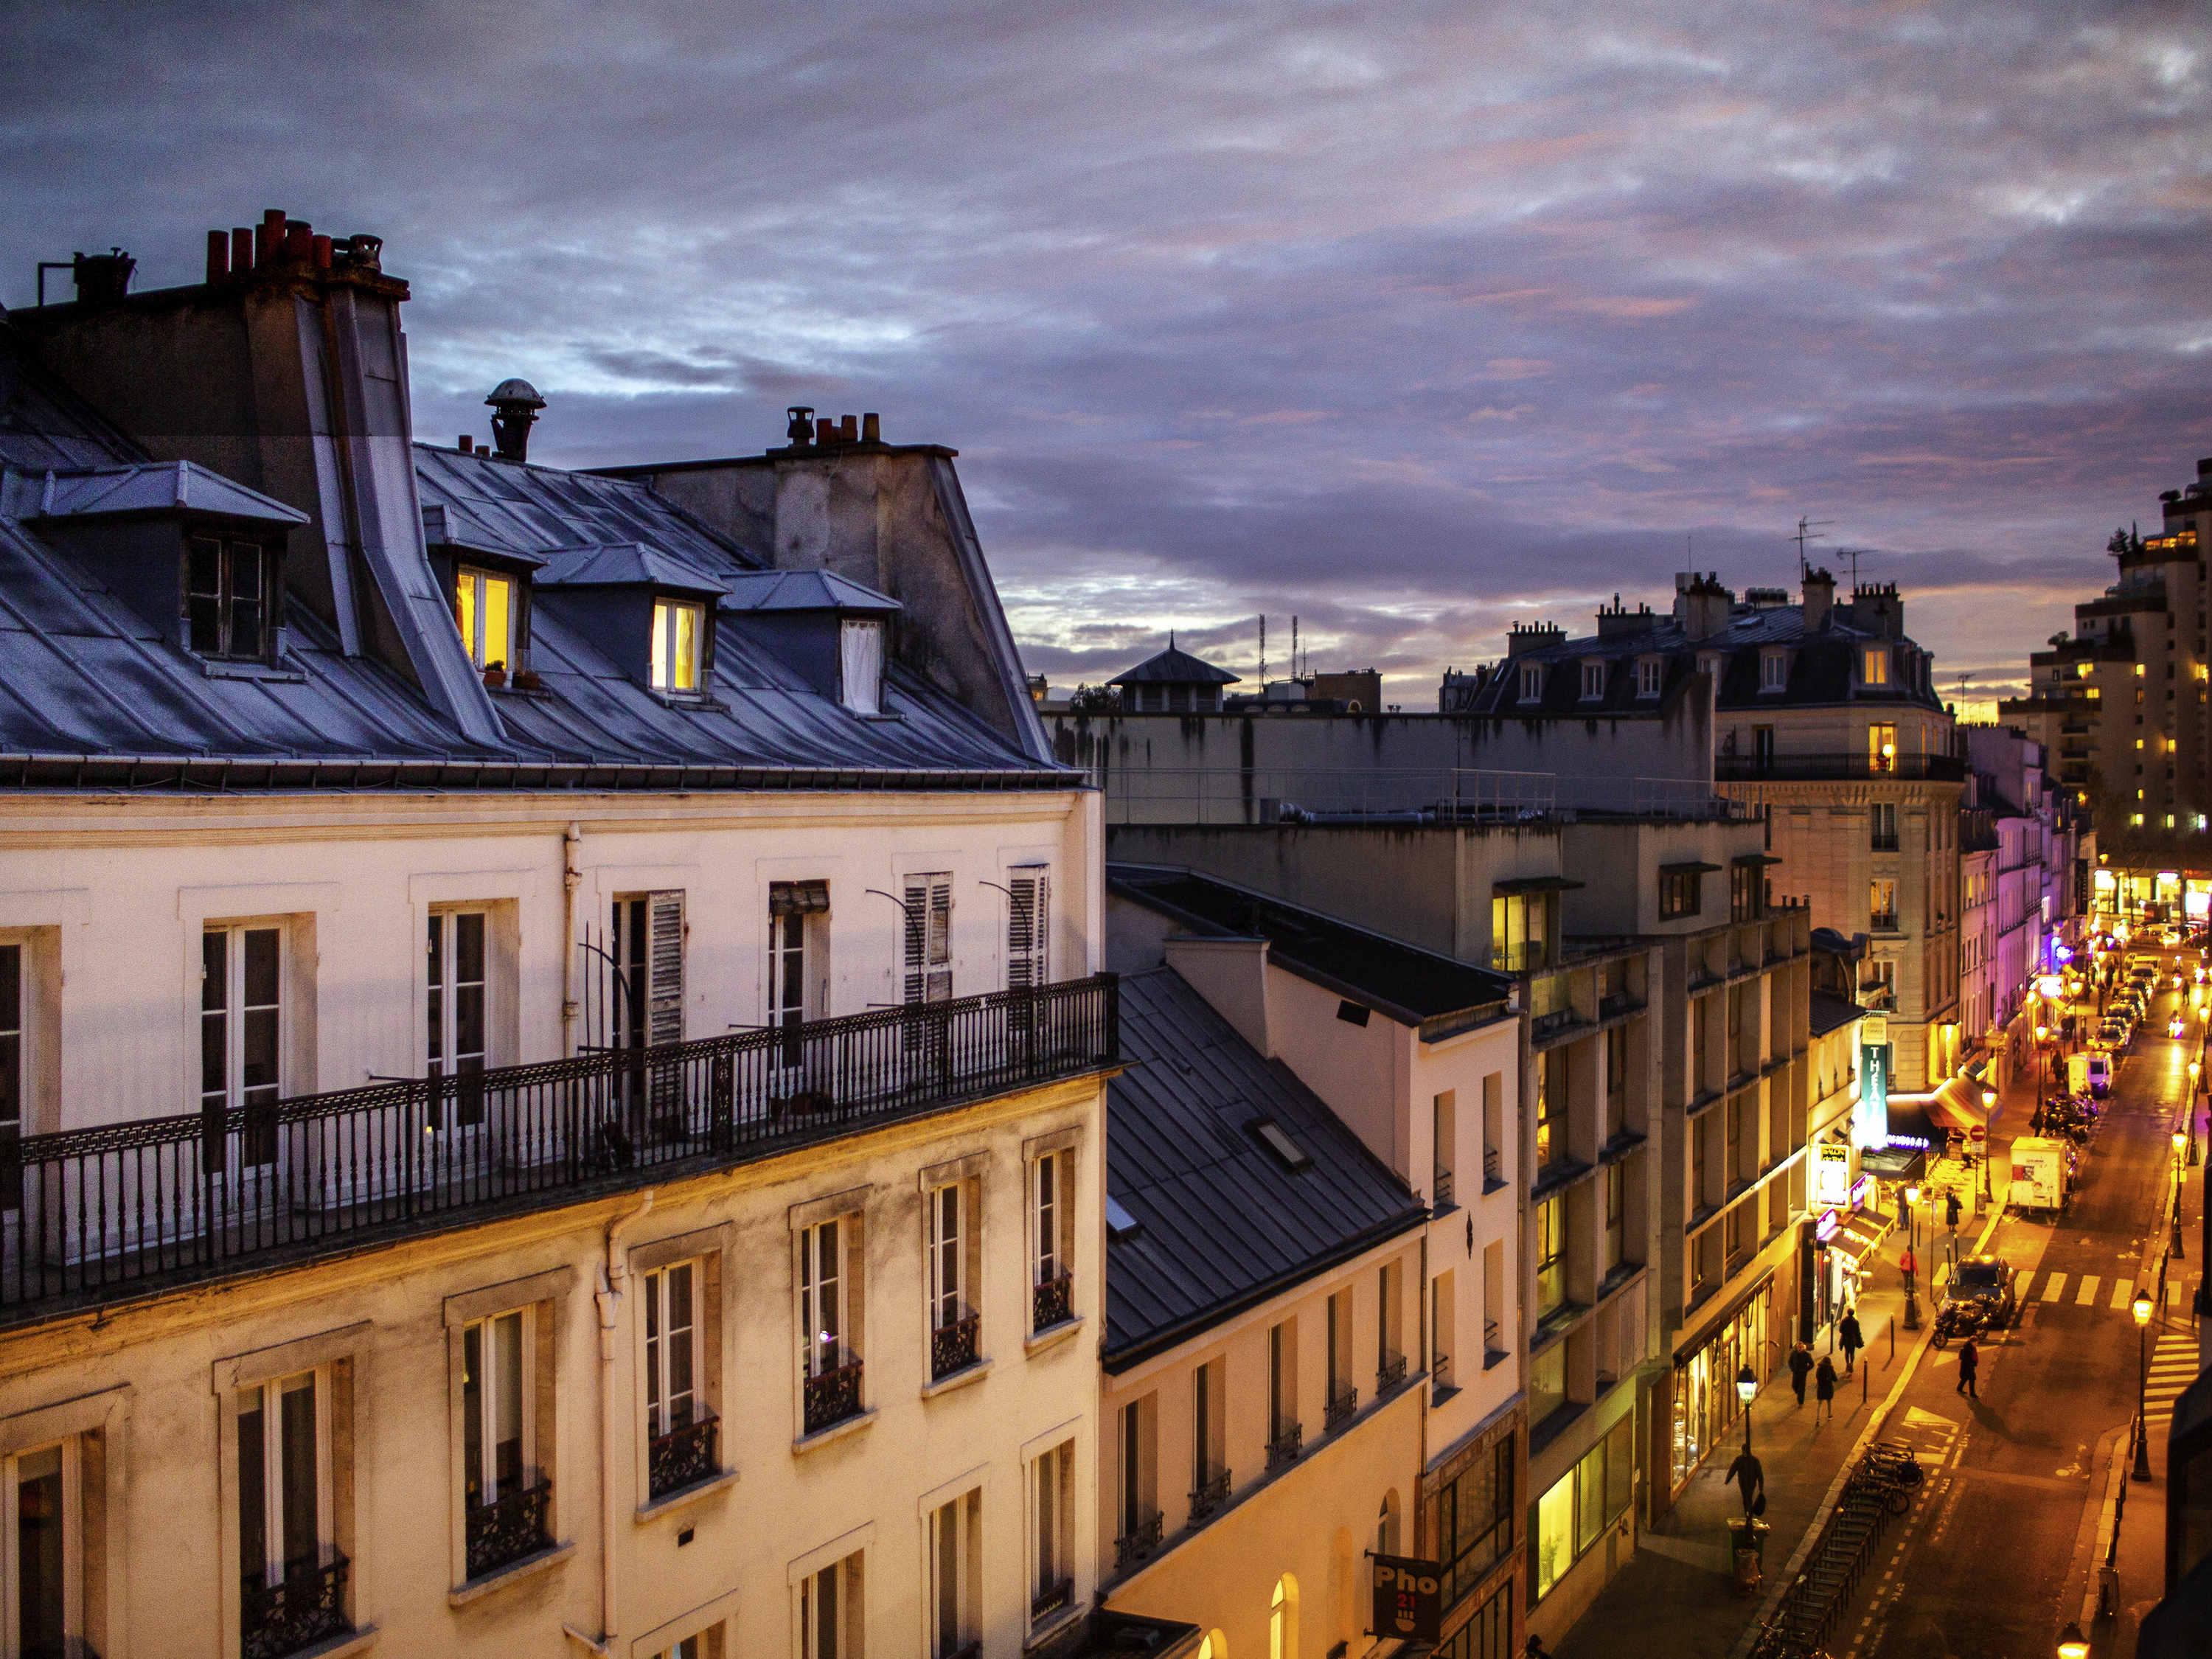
x,y
1847,1333
1908,1264
1970,1364
1801,1367
1750,1477
1824,1388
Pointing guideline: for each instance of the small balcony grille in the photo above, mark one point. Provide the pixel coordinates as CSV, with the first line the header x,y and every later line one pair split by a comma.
x,y
1053,1303
682,1457
303,1607
953,1347
512,1526
833,1394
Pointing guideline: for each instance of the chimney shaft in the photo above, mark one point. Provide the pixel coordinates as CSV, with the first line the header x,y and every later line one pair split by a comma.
x,y
218,255
241,251
871,428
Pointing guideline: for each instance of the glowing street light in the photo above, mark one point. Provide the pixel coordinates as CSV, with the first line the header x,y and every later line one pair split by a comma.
x,y
2072,1645
2141,1307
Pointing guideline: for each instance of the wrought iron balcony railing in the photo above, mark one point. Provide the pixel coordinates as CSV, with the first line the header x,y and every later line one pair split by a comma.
x,y
833,1394
1053,1302
512,1526
1390,1373
1138,1542
1284,1449
1209,1495
303,1607
96,1215
1440,1189
952,1347
683,1456
1341,1406
1751,768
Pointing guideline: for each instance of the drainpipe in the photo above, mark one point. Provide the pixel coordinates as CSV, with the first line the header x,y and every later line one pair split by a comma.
x,y
613,1278
572,842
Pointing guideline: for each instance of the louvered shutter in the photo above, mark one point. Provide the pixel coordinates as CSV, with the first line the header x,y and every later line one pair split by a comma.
x,y
929,938
665,969
1029,911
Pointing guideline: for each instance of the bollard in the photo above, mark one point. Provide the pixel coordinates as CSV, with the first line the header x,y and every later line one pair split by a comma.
x,y
1893,1336
1862,1385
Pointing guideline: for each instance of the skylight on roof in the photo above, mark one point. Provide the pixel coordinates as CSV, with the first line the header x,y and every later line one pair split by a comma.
x,y
1293,1156
1120,1223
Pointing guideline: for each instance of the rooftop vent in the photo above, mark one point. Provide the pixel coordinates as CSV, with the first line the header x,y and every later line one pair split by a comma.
x,y
514,405
1120,1225
1291,1156
803,429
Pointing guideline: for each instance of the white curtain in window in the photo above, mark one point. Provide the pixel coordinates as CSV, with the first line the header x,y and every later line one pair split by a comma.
x,y
861,654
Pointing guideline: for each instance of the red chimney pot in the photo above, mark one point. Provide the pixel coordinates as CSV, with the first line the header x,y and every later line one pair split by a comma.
x,y
826,430
299,241
218,258
322,253
241,251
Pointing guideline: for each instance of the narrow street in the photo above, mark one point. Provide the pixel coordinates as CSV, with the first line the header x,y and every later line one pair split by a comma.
x,y
1991,1561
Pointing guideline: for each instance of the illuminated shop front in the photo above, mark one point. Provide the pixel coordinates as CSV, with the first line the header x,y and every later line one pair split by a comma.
x,y
1706,1403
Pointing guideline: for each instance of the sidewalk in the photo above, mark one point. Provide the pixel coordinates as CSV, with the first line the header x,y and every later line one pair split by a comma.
x,y
1675,1596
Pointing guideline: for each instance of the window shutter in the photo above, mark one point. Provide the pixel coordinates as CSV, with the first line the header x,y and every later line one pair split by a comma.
x,y
929,938
917,928
1028,916
665,969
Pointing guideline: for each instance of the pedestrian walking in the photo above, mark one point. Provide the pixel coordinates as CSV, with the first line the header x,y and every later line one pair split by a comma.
x,y
1801,1367
1823,1386
1970,1364
1847,1334
1750,1477
1908,1264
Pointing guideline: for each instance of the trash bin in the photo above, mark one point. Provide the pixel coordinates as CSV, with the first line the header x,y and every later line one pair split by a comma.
x,y
1748,1541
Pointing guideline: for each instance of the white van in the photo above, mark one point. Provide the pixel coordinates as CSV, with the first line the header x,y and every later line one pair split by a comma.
x,y
2038,1175
2090,1073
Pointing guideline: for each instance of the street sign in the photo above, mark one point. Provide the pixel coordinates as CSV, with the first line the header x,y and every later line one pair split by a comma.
x,y
1409,1598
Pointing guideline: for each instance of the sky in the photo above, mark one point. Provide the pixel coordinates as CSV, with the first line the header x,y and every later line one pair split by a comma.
x,y
1410,321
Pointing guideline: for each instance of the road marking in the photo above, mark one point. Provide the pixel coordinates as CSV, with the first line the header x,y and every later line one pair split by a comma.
x,y
2120,1294
2087,1293
2052,1287
2172,1293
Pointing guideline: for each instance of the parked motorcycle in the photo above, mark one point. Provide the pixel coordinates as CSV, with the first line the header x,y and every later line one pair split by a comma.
x,y
1957,1320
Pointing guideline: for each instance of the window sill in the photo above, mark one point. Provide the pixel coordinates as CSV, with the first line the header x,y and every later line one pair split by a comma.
x,y
683,1499
693,702
340,1646
1051,1337
217,668
974,1371
837,1431
476,1589
1073,1613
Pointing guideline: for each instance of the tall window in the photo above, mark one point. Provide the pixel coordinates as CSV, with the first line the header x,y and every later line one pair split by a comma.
x,y
1136,1509
1029,928
672,1348
1389,1320
830,1611
1052,1532
955,1568
1876,668
1773,671
241,1038
484,608
1470,1518
1443,1331
860,664
1208,1423
1732,1171
1882,748
43,1570
1282,1379
230,596
1701,1138
499,1411
1532,682
821,1293
1881,902
1052,1240
648,950
284,1514
1551,1107
454,1017
1283,1619
1882,817
1551,1255
1443,1127
928,941
1592,681
1679,892
1339,1356
12,1089
1616,1216
798,914
678,631
1648,671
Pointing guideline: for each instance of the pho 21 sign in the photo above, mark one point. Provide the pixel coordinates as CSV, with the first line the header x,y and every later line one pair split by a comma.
x,y
1409,1598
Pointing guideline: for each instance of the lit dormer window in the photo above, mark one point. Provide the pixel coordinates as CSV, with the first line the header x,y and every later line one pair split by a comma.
x,y
484,607
1592,681
1532,682
1876,668
675,631
1773,671
230,599
1648,672
860,665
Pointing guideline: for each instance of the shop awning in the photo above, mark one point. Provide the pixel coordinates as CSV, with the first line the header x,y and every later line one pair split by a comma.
x,y
1957,1103
1894,1163
1691,868
1534,885
1756,858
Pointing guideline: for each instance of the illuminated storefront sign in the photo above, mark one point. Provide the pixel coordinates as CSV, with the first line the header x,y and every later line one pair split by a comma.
x,y
1833,1174
1830,1223
1860,1189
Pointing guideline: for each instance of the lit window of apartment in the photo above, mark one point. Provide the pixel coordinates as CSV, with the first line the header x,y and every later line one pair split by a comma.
x,y
927,946
241,1044
832,1610
1875,665
1551,1255
956,1571
234,598
1052,1231
488,610
678,645
1649,672
1592,681
830,1304
1551,1107
954,1209
1882,748
1532,682
1052,1532
1136,1494
1881,903
1773,671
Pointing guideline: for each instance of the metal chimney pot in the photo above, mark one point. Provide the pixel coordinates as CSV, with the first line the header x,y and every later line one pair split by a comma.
x,y
514,405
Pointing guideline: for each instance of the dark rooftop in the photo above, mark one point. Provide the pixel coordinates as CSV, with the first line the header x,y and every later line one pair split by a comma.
x,y
1219,1219
1175,667
1414,986
1832,1012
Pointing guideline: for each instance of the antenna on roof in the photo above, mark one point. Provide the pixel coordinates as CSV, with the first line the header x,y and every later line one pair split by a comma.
x,y
1852,554
1294,647
1808,529
1263,651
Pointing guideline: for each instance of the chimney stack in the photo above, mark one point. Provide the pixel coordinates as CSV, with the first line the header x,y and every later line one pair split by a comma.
x,y
1701,604
514,405
1820,590
871,428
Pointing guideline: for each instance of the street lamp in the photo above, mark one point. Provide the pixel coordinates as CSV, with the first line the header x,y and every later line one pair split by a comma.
x,y
2196,1071
1746,1388
2072,1645
2143,1381
2177,1195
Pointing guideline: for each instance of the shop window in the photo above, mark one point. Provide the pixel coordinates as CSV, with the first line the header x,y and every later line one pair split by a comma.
x,y
1582,1504
1469,1520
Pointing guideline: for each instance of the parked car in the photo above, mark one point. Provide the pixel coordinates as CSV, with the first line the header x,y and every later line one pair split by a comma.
x,y
1986,1280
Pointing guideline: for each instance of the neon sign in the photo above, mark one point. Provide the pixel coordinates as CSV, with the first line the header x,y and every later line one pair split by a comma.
x,y
1832,1222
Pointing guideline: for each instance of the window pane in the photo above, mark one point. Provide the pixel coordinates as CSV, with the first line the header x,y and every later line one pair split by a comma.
x,y
1555,1516
260,967
435,1011
498,620
40,1625
245,571
464,614
472,1379
687,647
302,1517
253,1484
506,1400
245,633
203,568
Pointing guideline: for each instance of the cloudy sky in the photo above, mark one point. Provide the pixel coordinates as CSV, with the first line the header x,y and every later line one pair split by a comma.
x,y
1410,320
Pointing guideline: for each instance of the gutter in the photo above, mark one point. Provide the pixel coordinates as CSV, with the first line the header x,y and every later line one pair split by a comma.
x,y
1117,1361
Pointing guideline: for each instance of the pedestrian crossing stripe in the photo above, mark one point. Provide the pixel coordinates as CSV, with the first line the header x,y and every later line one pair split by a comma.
x,y
2172,1367
2051,1286
2119,1294
2087,1294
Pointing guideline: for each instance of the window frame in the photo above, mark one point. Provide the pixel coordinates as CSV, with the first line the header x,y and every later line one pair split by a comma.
x,y
1050,1544
70,1472
543,1297
865,701
663,656
1049,1222
1594,678
1532,682
1650,678
1773,671
1874,667
962,1511
225,598
472,618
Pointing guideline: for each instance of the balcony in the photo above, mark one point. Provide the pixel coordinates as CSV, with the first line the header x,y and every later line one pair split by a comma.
x,y
683,1456
1390,1373
953,1346
1049,1599
1440,1191
1137,1542
1209,1495
123,1209
1340,1409
833,1394
508,1528
1527,957
305,1607
1492,1167
1283,1450
1837,768
1052,1303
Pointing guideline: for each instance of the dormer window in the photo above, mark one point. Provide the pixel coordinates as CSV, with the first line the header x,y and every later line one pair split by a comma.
x,y
1532,682
1648,671
860,666
1592,681
485,606
231,599
677,626
1773,671
1875,671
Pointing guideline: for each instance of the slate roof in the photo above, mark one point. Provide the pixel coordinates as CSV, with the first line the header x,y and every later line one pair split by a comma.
x,y
140,489
1175,667
1439,994
625,564
1821,665
1832,1012
94,694
803,589
1222,1223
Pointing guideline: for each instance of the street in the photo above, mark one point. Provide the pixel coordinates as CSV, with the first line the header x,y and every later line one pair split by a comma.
x,y
1992,1560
